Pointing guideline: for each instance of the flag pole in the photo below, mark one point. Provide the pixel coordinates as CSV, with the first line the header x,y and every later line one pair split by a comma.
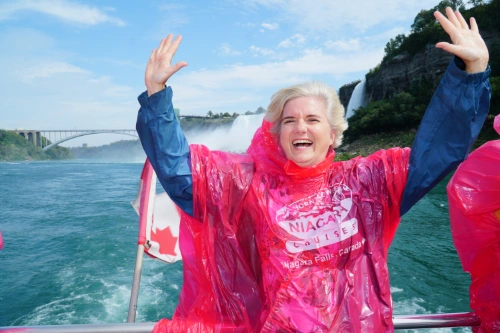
x,y
145,202
134,295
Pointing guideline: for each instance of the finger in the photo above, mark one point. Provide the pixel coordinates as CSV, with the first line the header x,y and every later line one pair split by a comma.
x,y
161,44
179,65
149,67
151,59
450,48
176,42
461,20
173,47
153,55
445,23
175,68
473,25
165,42
451,16
160,47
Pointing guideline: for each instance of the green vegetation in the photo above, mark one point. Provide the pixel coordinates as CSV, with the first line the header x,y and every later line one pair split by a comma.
x,y
212,115
14,147
373,70
214,120
495,58
373,125
402,112
424,30
368,144
399,113
495,95
205,124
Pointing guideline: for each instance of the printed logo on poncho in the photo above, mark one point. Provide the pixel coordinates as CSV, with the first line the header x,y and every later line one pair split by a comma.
x,y
318,220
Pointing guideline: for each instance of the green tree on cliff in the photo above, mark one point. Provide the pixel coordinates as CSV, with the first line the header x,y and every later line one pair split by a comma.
x,y
392,47
476,2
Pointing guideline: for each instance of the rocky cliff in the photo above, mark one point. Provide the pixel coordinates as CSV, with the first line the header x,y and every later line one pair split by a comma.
x,y
345,92
399,73
402,71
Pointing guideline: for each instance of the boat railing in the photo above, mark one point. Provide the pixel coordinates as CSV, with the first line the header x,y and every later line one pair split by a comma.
x,y
441,320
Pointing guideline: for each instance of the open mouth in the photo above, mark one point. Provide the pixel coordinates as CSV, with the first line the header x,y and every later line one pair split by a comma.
x,y
302,143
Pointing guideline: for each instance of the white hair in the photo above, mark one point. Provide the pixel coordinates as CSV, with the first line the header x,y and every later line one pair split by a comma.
x,y
334,110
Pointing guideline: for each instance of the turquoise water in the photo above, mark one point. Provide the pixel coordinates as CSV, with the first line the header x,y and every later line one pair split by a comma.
x,y
70,238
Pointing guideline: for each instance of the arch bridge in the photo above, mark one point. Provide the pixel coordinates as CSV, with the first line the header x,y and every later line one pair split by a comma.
x,y
47,139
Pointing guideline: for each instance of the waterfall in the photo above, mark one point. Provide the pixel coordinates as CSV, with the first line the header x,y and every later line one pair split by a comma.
x,y
357,99
237,138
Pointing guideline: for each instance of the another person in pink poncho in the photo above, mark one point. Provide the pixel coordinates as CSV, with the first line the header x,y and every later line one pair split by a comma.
x,y
474,198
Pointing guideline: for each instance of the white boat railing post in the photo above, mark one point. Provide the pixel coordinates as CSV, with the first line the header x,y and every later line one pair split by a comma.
x,y
136,282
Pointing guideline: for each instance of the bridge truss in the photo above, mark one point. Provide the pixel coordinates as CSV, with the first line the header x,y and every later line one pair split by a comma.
x,y
47,139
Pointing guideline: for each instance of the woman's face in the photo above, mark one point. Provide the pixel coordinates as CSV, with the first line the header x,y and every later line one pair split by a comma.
x,y
305,135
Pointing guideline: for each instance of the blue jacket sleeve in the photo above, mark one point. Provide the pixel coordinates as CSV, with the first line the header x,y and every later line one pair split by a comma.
x,y
166,146
448,129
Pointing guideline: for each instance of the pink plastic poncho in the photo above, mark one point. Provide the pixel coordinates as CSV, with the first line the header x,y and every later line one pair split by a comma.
x,y
285,249
474,199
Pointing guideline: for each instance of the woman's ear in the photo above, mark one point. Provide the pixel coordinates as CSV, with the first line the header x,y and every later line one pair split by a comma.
x,y
332,137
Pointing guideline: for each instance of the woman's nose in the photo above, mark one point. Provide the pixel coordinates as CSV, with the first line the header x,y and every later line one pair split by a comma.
x,y
301,126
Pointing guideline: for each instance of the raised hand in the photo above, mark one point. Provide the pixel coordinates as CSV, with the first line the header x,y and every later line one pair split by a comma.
x,y
467,43
159,69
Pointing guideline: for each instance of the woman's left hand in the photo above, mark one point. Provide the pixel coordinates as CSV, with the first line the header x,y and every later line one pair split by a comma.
x,y
159,68
467,43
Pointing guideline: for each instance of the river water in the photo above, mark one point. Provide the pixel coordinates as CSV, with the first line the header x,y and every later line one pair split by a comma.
x,y
70,238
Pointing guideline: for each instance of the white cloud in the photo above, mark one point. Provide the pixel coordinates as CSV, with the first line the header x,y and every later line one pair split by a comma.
x,y
246,25
270,26
173,16
266,3
47,69
43,87
225,49
327,15
295,40
198,92
261,51
65,10
343,45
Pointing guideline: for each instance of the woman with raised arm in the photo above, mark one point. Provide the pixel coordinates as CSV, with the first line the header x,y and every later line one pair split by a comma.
x,y
284,239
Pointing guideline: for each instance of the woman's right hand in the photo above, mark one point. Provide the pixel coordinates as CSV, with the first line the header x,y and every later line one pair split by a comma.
x,y
159,69
467,42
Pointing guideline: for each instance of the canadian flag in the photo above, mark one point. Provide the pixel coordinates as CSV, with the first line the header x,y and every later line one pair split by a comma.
x,y
159,219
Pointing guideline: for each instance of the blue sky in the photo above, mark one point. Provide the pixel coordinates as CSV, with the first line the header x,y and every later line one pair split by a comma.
x,y
80,64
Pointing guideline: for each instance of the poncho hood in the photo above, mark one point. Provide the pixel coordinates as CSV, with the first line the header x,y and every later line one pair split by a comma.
x,y
269,157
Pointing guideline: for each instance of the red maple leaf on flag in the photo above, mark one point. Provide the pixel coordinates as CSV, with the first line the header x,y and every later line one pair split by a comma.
x,y
166,240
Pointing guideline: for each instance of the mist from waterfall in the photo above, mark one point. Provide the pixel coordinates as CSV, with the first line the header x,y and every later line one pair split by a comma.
x,y
357,99
237,138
